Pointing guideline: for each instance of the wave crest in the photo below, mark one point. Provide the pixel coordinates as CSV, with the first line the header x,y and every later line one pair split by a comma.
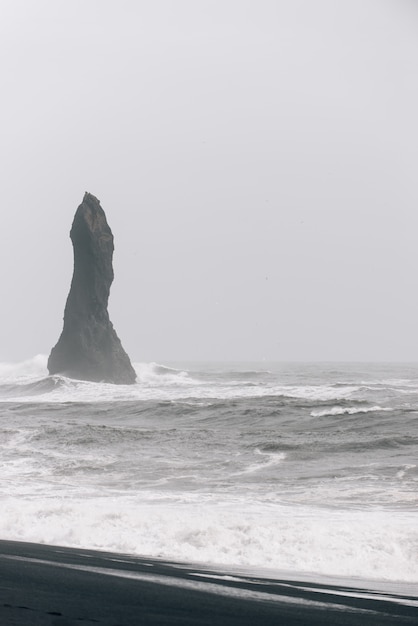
x,y
154,373
347,410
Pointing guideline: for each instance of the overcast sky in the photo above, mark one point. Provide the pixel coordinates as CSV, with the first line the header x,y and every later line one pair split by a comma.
x,y
256,159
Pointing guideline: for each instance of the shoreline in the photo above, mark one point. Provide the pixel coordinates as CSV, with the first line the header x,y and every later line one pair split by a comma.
x,y
52,585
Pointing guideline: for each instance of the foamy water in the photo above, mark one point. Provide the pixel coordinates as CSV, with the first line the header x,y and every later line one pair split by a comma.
x,y
304,468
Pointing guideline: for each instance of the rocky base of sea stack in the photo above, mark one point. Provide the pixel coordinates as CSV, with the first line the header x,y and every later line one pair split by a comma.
x,y
89,348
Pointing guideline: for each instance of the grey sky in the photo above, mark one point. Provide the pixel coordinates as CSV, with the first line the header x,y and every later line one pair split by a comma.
x,y
257,162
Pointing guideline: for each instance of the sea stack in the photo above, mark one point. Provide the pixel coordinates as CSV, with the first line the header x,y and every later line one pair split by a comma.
x,y
89,348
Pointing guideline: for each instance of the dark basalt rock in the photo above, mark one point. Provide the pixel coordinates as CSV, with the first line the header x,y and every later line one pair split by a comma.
x,y
89,348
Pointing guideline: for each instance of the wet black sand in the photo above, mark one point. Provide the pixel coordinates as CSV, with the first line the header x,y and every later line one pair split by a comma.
x,y
61,586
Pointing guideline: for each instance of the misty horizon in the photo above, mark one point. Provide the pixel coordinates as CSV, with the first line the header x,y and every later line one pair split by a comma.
x,y
256,163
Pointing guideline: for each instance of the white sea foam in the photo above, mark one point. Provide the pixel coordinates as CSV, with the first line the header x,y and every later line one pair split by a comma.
x,y
152,374
154,381
347,410
269,459
401,473
318,392
379,545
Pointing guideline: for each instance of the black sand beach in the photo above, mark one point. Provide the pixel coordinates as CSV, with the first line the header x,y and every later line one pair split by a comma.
x,y
49,585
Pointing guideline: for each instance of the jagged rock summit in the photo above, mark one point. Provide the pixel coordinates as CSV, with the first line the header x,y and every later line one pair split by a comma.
x,y
89,348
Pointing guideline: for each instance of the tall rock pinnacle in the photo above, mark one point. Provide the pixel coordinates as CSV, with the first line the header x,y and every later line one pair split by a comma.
x,y
89,348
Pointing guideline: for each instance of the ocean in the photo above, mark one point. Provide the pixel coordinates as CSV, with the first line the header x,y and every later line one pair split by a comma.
x,y
311,469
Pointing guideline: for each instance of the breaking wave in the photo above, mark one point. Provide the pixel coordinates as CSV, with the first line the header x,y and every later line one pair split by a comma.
x,y
29,379
153,373
376,545
347,410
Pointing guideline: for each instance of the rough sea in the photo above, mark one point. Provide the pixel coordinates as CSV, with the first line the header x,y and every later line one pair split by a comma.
x,y
303,468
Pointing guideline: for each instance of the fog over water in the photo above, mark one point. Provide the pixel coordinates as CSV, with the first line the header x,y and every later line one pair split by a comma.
x,y
256,161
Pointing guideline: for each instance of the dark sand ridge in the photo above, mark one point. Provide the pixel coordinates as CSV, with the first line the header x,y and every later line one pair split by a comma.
x,y
46,585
